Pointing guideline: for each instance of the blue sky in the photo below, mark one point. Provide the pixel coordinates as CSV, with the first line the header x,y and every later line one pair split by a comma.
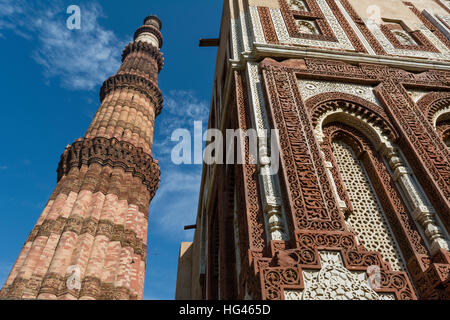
x,y
49,91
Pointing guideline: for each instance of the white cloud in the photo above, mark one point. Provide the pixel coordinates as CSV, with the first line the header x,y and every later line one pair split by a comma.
x,y
178,181
175,203
9,8
184,103
181,109
81,59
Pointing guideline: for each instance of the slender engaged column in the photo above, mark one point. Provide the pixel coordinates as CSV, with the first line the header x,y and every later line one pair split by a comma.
x,y
422,210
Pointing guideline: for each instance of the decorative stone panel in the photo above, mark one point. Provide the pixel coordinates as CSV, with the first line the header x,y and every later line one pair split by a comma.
x,y
367,219
334,282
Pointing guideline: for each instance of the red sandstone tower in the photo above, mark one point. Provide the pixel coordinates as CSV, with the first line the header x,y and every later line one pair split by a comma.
x,y
91,239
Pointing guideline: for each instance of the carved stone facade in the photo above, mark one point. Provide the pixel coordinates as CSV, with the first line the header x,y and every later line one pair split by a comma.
x,y
359,92
91,239
334,282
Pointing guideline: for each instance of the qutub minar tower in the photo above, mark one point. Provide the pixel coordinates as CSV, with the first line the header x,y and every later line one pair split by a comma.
x,y
94,226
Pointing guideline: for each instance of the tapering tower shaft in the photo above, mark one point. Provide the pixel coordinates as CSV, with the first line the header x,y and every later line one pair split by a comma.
x,y
91,239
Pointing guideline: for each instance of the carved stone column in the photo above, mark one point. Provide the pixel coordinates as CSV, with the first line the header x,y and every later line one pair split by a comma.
x,y
271,196
91,239
422,210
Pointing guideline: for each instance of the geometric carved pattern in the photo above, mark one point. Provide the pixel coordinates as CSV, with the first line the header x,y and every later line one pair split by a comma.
x,y
443,129
363,29
402,39
331,27
393,97
428,26
311,199
421,140
294,270
399,217
287,113
432,43
249,200
428,273
310,88
251,228
55,284
434,103
436,108
309,191
325,15
306,21
113,153
335,282
368,117
374,171
367,218
429,45
267,26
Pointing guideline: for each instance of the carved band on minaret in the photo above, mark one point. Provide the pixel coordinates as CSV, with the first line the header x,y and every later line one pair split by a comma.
x,y
138,83
81,226
144,47
113,153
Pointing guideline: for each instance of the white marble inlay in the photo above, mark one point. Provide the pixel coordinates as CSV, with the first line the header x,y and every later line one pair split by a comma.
x,y
335,282
355,28
416,95
390,49
311,88
283,34
368,218
236,38
257,27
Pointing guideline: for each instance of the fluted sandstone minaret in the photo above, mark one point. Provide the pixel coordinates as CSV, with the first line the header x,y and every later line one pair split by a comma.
x,y
91,239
